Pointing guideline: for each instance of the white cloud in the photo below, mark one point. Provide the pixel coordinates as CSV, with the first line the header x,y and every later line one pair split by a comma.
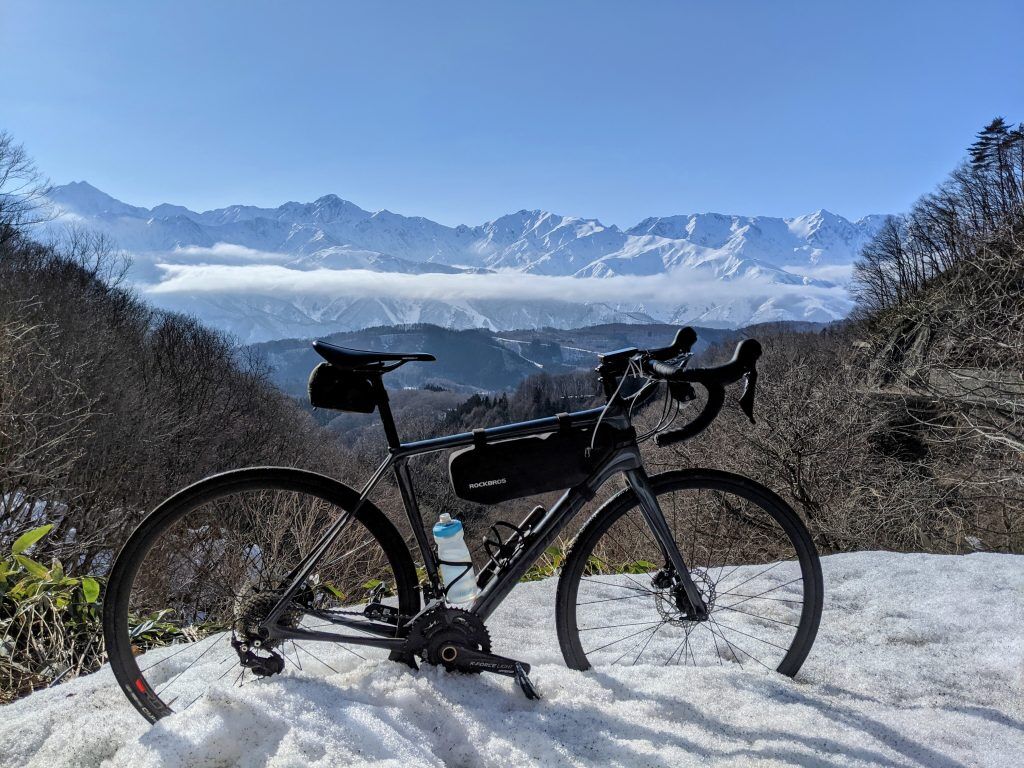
x,y
274,279
223,253
833,273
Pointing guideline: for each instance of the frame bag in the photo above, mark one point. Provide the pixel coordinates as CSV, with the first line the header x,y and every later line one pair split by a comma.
x,y
341,390
491,472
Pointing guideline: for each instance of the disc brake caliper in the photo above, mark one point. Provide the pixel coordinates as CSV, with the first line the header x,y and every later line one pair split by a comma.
x,y
666,579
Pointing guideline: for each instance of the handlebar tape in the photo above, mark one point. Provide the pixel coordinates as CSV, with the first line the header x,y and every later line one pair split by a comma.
x,y
663,369
744,361
742,365
716,398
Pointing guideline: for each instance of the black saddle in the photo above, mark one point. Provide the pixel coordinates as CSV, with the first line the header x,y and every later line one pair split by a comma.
x,y
365,360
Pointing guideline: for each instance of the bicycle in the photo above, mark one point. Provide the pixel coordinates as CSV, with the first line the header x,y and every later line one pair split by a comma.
x,y
689,566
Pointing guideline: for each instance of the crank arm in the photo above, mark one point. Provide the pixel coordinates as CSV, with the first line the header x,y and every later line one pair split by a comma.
x,y
468,659
478,661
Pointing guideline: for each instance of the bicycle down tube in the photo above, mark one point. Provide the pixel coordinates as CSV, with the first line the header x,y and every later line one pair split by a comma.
x,y
626,460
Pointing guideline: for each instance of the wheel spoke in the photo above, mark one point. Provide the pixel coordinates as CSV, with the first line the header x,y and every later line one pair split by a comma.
x,y
759,595
736,540
648,642
679,647
611,599
718,652
640,587
616,626
613,642
620,586
192,663
306,651
731,628
736,645
756,575
755,615
709,628
155,664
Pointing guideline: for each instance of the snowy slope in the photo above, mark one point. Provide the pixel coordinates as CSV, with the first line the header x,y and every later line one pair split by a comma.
x,y
732,270
919,662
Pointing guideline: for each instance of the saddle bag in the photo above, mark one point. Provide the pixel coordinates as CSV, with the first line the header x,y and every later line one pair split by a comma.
x,y
492,472
341,390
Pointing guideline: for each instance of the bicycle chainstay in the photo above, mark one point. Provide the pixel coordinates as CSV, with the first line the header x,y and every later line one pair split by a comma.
x,y
451,637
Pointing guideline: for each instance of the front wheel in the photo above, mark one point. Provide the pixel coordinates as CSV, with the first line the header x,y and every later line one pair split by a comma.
x,y
189,590
747,551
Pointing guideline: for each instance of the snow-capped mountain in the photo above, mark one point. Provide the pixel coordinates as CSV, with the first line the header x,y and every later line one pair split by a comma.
x,y
702,268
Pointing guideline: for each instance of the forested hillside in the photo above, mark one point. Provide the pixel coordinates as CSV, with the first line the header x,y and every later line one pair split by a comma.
x,y
106,407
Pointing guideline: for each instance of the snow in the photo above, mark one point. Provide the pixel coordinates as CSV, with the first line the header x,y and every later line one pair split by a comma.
x,y
919,662
779,258
533,241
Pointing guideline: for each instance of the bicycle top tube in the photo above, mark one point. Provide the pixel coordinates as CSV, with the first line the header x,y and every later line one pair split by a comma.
x,y
517,429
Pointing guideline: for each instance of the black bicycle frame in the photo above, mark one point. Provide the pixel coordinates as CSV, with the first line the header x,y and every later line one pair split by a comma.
x,y
625,460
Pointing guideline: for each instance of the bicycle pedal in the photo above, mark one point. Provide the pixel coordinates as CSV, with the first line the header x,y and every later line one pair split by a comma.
x,y
525,683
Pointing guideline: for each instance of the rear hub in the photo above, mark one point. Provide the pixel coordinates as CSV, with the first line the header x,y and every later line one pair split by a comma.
x,y
250,640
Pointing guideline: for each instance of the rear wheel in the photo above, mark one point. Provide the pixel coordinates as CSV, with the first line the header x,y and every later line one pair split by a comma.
x,y
748,553
187,593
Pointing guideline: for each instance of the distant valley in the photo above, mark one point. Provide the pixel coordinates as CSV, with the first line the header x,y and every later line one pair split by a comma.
x,y
479,360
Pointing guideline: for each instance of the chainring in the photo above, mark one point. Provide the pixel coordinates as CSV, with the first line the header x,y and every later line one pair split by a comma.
x,y
443,626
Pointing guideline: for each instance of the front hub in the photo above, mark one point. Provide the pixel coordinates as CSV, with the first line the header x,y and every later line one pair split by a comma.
x,y
674,603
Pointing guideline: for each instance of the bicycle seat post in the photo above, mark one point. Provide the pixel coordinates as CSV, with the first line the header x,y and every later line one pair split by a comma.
x,y
386,417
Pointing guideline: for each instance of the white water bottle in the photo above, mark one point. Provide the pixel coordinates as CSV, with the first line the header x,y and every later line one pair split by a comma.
x,y
451,547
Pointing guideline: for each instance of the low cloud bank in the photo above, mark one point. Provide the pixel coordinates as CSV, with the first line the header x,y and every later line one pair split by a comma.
x,y
275,279
221,254
833,273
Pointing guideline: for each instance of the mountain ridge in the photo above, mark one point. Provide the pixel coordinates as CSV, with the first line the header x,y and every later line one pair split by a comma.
x,y
506,235
711,268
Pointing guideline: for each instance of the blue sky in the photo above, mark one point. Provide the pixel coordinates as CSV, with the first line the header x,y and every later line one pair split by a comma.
x,y
462,111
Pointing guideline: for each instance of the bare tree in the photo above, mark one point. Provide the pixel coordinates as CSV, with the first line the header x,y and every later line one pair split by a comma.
x,y
23,190
43,415
941,297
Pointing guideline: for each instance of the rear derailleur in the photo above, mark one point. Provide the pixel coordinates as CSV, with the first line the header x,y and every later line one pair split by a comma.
x,y
254,648
458,640
261,666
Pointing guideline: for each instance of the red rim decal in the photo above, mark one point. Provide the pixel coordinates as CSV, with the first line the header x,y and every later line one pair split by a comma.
x,y
140,685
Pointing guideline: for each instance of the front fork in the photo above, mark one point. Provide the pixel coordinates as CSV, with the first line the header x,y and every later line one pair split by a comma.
x,y
640,483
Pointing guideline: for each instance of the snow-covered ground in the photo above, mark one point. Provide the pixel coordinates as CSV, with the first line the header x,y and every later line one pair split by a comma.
x,y
919,662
